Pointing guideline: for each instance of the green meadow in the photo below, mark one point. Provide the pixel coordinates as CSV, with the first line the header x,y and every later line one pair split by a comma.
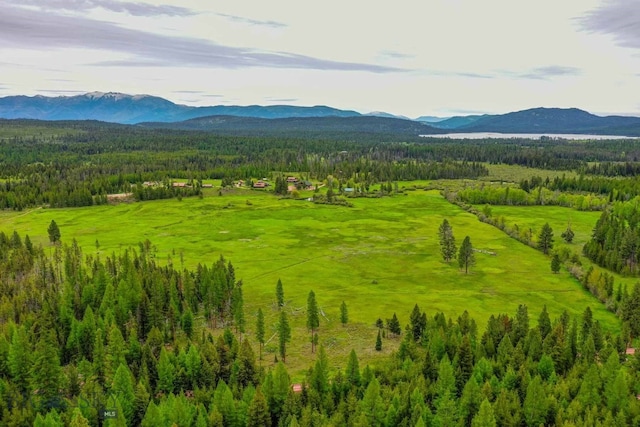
x,y
582,224
380,256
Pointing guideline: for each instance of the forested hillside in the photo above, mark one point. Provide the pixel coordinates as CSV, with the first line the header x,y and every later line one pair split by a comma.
x,y
79,163
125,334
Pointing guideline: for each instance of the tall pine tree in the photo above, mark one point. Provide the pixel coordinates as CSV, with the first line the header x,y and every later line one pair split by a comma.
x,y
313,317
284,335
466,257
545,239
260,330
279,294
447,241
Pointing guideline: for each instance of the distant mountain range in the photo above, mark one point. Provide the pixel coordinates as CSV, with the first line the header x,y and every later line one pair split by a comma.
x,y
151,111
130,109
553,120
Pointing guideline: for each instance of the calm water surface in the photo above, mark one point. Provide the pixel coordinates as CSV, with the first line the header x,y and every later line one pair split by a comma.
x,y
486,135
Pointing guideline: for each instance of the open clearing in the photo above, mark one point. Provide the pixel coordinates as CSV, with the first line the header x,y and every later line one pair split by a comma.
x,y
582,224
381,256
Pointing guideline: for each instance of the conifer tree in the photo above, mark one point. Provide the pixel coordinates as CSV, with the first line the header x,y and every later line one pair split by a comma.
x,y
28,245
224,402
313,317
284,335
568,234
319,380
520,324
19,358
115,353
54,232
122,389
140,403
279,294
466,257
470,401
590,388
52,419
394,325
166,372
352,372
193,365
260,330
238,308
555,264
446,383
544,323
78,420
417,323
545,239
247,373
372,404
258,415
120,419
617,392
447,241
379,342
465,362
631,310
344,314
187,322
535,403
46,373
485,416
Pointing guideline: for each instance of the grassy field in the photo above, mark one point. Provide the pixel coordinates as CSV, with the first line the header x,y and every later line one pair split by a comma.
x,y
380,257
582,223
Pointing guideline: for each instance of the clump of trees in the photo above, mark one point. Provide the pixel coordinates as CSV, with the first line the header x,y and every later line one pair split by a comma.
x,y
448,249
615,239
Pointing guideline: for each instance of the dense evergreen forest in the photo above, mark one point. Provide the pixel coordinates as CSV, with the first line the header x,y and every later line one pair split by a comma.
x,y
615,239
122,333
79,163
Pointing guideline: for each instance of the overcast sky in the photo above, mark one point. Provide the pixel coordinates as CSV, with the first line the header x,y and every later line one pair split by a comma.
x,y
423,57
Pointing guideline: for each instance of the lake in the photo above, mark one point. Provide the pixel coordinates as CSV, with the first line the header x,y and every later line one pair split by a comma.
x,y
496,135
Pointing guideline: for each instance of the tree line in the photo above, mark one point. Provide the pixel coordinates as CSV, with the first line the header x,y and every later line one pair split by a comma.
x,y
81,167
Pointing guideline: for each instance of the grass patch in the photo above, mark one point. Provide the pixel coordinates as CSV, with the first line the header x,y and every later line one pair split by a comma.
x,y
582,224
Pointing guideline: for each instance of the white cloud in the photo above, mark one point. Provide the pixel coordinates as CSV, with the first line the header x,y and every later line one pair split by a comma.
x,y
409,57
